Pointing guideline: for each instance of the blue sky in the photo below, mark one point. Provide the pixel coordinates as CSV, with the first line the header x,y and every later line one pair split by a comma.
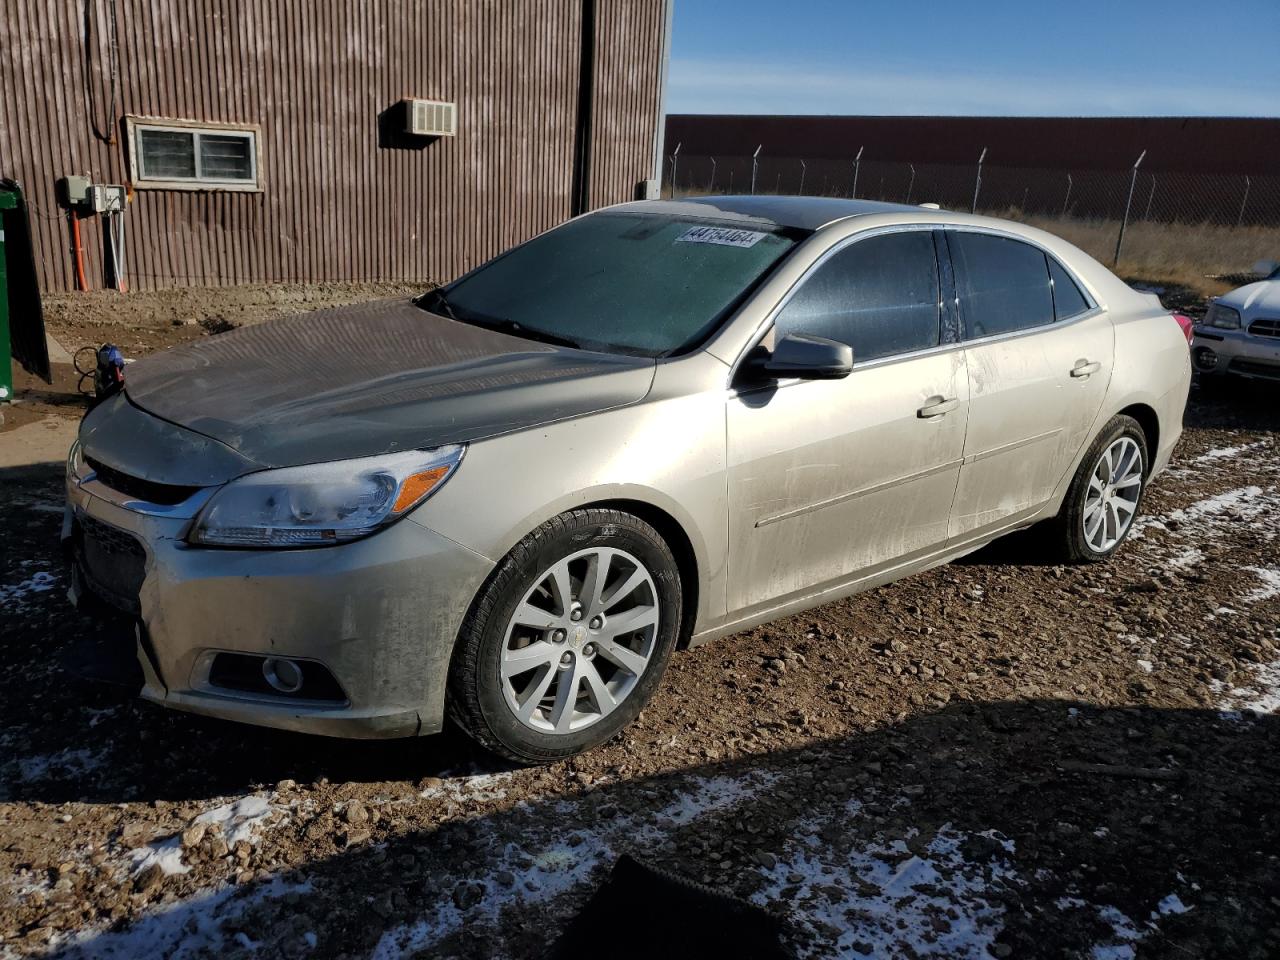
x,y
1028,58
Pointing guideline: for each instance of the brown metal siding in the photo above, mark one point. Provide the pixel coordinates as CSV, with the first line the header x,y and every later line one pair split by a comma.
x,y
626,101
315,77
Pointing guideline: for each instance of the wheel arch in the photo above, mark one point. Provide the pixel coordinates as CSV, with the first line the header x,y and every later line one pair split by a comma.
x,y
1149,420
681,548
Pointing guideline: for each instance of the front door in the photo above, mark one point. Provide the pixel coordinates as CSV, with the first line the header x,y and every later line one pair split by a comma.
x,y
832,480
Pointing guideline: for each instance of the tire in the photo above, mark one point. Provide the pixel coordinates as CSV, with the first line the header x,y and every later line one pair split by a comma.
x,y
1072,536
522,649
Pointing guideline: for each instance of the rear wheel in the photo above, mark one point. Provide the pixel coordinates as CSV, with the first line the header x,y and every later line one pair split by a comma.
x,y
1105,493
568,639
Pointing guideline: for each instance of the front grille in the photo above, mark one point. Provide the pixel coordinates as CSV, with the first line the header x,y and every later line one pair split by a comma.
x,y
1256,369
166,494
113,562
1266,327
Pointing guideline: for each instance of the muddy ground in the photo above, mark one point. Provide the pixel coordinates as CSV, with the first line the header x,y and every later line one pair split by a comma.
x,y
1002,757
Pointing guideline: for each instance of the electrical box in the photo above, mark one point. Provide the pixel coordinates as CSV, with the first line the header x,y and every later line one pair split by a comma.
x,y
106,198
431,118
73,191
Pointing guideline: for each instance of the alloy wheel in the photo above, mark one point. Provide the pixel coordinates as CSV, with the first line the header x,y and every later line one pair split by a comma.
x,y
1112,497
579,640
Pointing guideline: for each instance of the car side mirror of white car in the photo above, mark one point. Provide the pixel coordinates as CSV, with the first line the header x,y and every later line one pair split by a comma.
x,y
1264,268
802,356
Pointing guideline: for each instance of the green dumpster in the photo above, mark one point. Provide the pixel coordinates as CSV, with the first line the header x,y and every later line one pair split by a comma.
x,y
21,317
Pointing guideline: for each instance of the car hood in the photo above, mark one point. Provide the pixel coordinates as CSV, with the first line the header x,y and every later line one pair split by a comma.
x,y
1254,299
372,379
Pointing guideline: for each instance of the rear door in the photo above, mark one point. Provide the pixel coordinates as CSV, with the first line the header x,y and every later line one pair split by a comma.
x,y
832,479
1039,357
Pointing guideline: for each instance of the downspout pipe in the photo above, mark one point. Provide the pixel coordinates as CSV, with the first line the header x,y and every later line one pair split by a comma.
x,y
660,131
580,201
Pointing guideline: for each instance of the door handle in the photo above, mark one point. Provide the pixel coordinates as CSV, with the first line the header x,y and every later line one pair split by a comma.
x,y
937,407
1085,368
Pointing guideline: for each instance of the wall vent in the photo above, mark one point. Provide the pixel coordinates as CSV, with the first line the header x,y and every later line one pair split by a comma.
x,y
431,118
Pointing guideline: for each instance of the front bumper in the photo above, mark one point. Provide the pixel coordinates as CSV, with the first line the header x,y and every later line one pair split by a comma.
x,y
1217,352
379,614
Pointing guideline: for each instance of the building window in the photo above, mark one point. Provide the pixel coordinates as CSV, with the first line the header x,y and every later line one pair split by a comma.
x,y
189,155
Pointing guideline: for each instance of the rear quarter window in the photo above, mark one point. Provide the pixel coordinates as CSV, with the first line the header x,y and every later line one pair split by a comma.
x,y
1002,284
1068,301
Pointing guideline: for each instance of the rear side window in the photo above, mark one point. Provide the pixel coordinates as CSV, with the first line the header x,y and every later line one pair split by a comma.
x,y
1002,284
879,295
1067,298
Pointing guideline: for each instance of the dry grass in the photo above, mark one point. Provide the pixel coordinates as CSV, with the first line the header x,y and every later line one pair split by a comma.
x,y
1207,258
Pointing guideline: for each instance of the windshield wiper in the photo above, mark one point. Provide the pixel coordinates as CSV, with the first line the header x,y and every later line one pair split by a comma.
x,y
435,299
438,299
504,325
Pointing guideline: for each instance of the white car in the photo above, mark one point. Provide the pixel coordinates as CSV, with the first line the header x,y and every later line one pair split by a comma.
x,y
1240,333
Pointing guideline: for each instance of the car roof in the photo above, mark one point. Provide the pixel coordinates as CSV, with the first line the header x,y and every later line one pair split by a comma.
x,y
805,213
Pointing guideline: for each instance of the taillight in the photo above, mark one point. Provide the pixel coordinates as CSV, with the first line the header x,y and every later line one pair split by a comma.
x,y
1185,323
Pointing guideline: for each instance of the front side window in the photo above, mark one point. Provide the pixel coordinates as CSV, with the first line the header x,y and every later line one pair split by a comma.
x,y
189,156
1002,284
879,295
636,283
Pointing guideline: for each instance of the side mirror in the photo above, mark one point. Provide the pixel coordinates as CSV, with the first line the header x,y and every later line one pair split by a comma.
x,y
805,357
1264,268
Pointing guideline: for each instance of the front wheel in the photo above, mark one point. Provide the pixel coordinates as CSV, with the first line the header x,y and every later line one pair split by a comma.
x,y
1105,493
568,639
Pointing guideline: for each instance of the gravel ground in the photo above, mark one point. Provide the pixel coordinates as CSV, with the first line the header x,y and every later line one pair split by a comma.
x,y
1001,757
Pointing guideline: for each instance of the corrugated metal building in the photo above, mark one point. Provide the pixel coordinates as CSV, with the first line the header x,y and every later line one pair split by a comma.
x,y
265,140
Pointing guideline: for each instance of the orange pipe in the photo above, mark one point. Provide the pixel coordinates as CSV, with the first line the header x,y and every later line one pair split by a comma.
x,y
78,249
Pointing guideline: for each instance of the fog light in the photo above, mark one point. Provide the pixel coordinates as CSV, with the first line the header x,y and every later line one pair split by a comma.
x,y
283,675
1205,358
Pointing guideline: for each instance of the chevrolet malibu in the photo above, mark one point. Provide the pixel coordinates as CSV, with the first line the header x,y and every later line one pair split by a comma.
x,y
507,502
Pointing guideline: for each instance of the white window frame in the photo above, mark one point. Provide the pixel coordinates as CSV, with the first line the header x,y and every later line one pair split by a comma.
x,y
251,132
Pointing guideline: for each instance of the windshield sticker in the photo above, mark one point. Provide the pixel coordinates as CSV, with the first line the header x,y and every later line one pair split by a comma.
x,y
725,236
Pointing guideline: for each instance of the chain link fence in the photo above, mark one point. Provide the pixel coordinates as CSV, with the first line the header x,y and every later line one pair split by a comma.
x,y
1172,227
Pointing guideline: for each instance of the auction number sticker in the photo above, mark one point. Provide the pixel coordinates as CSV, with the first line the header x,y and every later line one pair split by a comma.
x,y
725,236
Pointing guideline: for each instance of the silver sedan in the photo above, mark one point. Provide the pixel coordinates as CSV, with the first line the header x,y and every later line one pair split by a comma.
x,y
509,501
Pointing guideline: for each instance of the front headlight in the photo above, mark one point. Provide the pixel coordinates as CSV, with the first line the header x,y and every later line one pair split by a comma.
x,y
1224,318
75,459
323,503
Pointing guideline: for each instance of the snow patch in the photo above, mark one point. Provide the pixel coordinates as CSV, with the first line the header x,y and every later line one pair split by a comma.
x,y
1244,503
63,765
1228,453
1262,696
1185,559
240,820
550,862
1123,930
190,928
1270,578
14,597
882,899
166,853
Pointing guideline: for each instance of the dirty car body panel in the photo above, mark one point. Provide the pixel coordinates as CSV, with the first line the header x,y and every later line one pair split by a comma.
x,y
776,494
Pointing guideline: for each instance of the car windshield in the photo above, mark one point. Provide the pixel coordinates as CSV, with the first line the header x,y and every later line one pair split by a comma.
x,y
636,283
